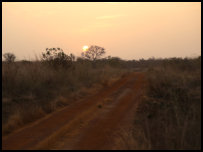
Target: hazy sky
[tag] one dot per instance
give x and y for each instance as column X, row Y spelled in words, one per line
column 129, row 30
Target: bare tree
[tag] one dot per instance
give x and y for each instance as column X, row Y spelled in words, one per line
column 93, row 52
column 9, row 57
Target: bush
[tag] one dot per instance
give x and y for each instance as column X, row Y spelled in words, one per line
column 32, row 89
column 56, row 57
column 170, row 114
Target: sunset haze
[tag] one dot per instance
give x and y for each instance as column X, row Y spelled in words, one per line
column 129, row 30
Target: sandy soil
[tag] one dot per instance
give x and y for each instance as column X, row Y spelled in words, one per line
column 91, row 123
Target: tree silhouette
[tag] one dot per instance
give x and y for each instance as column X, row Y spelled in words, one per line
column 56, row 56
column 9, row 57
column 94, row 52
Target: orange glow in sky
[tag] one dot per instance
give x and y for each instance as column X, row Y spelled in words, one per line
column 85, row 48
column 129, row 30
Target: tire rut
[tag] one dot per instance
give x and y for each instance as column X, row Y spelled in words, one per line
column 39, row 134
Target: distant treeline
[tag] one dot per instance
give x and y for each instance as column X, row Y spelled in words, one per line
column 184, row 63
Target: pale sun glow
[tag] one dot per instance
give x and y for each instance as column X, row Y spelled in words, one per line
column 85, row 48
column 126, row 30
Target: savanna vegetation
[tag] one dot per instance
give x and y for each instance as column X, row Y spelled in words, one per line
column 169, row 116
column 32, row 89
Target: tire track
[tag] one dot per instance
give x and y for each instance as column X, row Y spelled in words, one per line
column 43, row 132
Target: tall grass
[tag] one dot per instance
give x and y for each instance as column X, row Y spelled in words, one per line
column 31, row 90
column 169, row 117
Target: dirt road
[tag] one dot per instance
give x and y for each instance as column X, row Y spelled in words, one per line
column 87, row 124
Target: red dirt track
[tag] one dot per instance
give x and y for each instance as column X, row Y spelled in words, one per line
column 86, row 124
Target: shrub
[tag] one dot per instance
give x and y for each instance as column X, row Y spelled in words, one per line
column 56, row 57
column 170, row 114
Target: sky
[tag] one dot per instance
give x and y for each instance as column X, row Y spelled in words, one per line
column 129, row 30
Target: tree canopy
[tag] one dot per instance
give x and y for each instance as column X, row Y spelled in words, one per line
column 94, row 52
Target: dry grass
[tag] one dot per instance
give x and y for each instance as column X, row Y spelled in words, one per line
column 31, row 90
column 170, row 115
column 130, row 139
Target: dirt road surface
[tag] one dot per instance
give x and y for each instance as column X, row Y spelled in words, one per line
column 87, row 124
